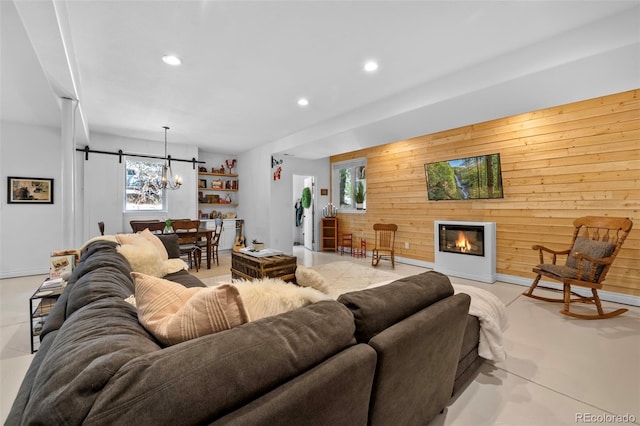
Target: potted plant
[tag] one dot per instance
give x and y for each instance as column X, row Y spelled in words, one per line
column 359, row 195
column 168, row 228
column 257, row 245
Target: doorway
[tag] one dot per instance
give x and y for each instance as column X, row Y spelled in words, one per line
column 304, row 230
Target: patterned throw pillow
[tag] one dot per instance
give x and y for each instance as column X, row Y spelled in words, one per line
column 174, row 313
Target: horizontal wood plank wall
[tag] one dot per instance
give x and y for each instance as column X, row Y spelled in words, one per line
column 557, row 164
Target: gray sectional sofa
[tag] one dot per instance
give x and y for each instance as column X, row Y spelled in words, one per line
column 386, row 355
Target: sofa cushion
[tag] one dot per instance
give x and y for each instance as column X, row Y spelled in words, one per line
column 375, row 309
column 171, row 245
column 201, row 380
column 92, row 344
column 185, row 278
column 174, row 313
column 101, row 274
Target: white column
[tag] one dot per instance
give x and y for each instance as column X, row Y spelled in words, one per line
column 67, row 185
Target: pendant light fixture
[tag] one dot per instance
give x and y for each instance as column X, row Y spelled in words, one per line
column 168, row 181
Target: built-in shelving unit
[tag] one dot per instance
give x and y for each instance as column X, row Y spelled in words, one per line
column 215, row 188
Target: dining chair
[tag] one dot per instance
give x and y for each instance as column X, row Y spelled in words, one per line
column 187, row 232
column 594, row 246
column 215, row 243
column 156, row 226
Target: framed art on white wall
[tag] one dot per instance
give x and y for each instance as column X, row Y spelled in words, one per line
column 24, row 190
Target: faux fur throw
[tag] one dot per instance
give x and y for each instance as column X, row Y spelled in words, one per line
column 270, row 296
column 307, row 277
column 144, row 252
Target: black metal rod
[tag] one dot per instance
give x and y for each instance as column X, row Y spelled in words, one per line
column 169, row 158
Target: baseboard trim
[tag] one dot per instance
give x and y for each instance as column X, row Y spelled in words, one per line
column 23, row 273
column 609, row 296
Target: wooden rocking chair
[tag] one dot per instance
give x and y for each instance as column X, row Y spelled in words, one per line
column 595, row 245
column 385, row 240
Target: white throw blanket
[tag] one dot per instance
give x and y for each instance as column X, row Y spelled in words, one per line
column 492, row 315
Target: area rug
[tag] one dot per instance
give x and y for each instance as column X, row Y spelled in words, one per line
column 343, row 276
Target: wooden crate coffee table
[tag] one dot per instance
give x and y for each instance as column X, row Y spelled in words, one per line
column 277, row 266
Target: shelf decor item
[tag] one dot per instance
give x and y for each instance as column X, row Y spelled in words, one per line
column 22, row 190
column 329, row 210
column 230, row 165
column 257, row 245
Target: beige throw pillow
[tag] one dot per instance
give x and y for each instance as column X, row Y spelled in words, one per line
column 174, row 313
column 157, row 243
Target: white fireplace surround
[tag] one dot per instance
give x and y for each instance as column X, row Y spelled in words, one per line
column 478, row 268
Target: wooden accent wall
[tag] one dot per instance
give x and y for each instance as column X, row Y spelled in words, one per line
column 557, row 164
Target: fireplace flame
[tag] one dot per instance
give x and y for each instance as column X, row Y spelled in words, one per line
column 462, row 243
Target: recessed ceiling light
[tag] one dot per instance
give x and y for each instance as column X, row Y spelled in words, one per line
column 370, row 66
column 171, row 60
column 303, row 102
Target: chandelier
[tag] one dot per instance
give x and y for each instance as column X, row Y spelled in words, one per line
column 168, row 181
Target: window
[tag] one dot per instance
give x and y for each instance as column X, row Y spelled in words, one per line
column 349, row 186
column 142, row 185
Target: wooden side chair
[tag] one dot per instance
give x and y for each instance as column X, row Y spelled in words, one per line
column 215, row 243
column 187, row 231
column 595, row 244
column 385, row 240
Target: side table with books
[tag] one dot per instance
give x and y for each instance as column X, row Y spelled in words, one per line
column 40, row 305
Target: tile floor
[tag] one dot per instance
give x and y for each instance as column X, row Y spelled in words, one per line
column 559, row 370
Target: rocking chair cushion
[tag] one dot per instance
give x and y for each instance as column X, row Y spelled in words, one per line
column 561, row 271
column 593, row 249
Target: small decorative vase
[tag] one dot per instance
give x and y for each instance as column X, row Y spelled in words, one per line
column 168, row 230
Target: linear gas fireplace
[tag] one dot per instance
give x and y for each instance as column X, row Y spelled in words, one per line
column 466, row 249
column 463, row 239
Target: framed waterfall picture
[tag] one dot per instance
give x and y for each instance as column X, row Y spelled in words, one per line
column 23, row 190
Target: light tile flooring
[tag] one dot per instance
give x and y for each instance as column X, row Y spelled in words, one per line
column 559, row 370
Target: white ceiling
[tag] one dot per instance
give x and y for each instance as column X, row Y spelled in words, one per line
column 245, row 63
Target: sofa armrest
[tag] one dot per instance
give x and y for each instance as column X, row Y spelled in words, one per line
column 417, row 362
